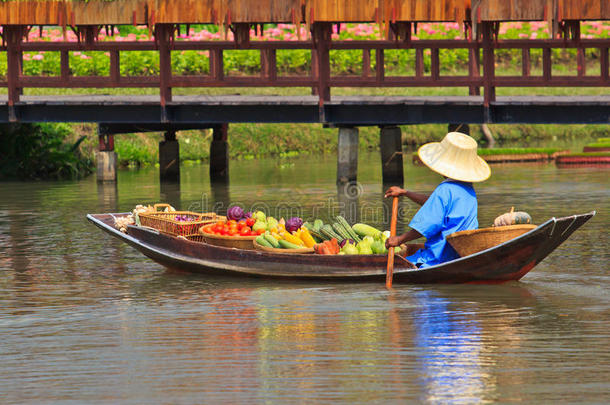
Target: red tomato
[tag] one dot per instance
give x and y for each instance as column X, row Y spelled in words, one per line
column 250, row 221
column 259, row 232
column 244, row 232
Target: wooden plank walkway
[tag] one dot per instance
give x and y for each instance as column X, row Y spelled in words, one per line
column 340, row 111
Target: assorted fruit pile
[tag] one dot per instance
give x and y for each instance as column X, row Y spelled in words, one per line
column 334, row 238
column 341, row 238
column 290, row 234
column 185, row 218
column 121, row 223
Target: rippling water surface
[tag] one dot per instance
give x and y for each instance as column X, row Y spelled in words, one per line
column 87, row 319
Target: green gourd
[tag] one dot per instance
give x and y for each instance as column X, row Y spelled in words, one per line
column 260, row 239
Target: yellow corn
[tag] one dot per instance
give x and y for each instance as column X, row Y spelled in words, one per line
column 307, row 238
column 292, row 239
column 276, row 235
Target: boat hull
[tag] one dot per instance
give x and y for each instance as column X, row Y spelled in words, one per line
column 506, row 262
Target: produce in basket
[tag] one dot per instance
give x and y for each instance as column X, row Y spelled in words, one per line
column 121, row 223
column 368, row 245
column 366, row 230
column 293, row 224
column 235, row 213
column 229, row 228
column 185, row 218
column 328, row 247
column 513, row 218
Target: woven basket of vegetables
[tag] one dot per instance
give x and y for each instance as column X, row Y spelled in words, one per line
column 304, row 250
column 470, row 242
column 176, row 223
column 237, row 242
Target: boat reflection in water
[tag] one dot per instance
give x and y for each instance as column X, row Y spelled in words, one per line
column 450, row 350
column 425, row 345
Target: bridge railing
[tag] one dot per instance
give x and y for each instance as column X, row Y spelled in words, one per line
column 481, row 70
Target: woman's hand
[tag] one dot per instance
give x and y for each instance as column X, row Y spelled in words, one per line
column 395, row 192
column 392, row 241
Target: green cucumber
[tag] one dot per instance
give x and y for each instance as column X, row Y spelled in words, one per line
column 284, row 244
column 318, row 235
column 338, row 228
column 260, row 239
column 328, row 231
column 317, row 224
column 271, row 240
column 365, row 230
column 353, row 235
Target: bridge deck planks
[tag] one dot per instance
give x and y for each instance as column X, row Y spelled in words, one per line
column 341, row 110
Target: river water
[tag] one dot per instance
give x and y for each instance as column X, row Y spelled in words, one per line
column 87, row 319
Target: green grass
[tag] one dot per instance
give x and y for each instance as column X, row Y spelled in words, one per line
column 514, row 151
column 603, row 140
column 598, row 145
column 517, row 151
column 253, row 141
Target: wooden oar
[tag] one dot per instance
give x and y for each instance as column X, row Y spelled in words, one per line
column 390, row 271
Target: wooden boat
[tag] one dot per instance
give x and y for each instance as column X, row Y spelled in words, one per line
column 508, row 261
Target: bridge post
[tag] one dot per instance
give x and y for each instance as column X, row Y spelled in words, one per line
column 13, row 35
column 347, row 155
column 169, row 158
column 390, row 144
column 164, row 34
column 219, row 154
column 106, row 159
column 489, row 95
column 321, row 36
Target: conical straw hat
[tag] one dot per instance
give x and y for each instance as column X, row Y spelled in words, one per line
column 455, row 157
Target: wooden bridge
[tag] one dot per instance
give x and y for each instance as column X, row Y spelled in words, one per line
column 397, row 20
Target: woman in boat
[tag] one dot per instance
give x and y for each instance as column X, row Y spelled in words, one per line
column 452, row 207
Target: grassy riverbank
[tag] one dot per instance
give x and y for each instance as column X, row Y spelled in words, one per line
column 250, row 141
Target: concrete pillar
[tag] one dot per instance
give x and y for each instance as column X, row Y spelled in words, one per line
column 106, row 159
column 347, row 155
column 390, row 144
column 463, row 128
column 107, row 196
column 170, row 193
column 169, row 158
column 219, row 154
column 348, row 197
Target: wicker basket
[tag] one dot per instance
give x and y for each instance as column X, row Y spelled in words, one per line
column 304, row 250
column 237, row 242
column 470, row 242
column 165, row 221
column 195, row 238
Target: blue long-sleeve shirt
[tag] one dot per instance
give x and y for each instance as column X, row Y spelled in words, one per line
column 452, row 207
